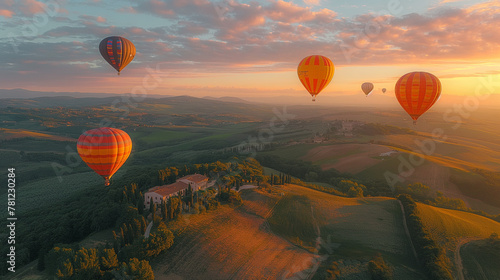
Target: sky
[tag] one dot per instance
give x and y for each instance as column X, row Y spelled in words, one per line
column 246, row 48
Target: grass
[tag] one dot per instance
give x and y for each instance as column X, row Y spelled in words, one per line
column 449, row 226
column 229, row 244
column 361, row 226
column 376, row 172
column 49, row 191
column 292, row 152
column 293, row 218
column 39, row 145
column 480, row 260
column 158, row 136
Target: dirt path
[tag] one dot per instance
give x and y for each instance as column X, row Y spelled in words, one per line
column 148, row 229
column 407, row 231
column 458, row 259
column 318, row 244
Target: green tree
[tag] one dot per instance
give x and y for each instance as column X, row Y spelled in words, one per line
column 163, row 210
column 151, row 203
column 136, row 269
column 86, row 264
column 108, row 259
column 140, row 204
column 379, row 269
column 66, row 271
column 355, row 192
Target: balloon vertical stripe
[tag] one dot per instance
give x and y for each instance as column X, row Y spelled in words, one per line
column 110, row 52
column 117, row 51
column 367, row 88
column 417, row 92
column 316, row 60
column 315, row 76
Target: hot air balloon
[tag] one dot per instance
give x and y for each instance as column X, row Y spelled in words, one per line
column 104, row 150
column 384, row 90
column 117, row 51
column 315, row 73
column 367, row 88
column 417, row 92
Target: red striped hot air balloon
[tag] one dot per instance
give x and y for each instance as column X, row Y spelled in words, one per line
column 104, row 150
column 315, row 73
column 367, row 88
column 417, row 92
column 117, row 51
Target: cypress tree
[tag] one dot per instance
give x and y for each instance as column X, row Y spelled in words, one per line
column 122, row 238
column 131, row 234
column 140, row 204
column 163, row 210
column 153, row 212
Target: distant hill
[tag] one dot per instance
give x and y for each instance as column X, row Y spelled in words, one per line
column 228, row 99
column 24, row 93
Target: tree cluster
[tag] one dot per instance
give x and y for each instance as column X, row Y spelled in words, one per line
column 432, row 257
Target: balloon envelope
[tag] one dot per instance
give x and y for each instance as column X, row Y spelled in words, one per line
column 104, row 150
column 384, row 90
column 417, row 92
column 315, row 73
column 117, row 51
column 367, row 88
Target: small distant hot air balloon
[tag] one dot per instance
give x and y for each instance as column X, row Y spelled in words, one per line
column 384, row 90
column 417, row 92
column 104, row 150
column 117, row 51
column 367, row 88
column 315, row 73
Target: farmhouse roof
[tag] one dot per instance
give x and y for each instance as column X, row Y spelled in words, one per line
column 170, row 189
column 197, row 178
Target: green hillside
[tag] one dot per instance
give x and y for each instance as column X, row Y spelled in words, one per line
column 452, row 228
column 481, row 258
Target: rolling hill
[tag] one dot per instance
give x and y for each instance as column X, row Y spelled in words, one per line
column 247, row 243
column 452, row 228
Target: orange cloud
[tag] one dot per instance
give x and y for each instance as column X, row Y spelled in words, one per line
column 6, row 13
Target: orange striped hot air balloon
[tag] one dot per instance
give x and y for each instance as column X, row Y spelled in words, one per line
column 417, row 92
column 367, row 88
column 315, row 73
column 117, row 51
column 104, row 150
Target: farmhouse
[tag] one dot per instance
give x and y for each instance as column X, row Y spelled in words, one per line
column 196, row 181
column 159, row 193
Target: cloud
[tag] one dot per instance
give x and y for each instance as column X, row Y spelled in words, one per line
column 312, row 2
column 6, row 13
column 273, row 36
column 93, row 19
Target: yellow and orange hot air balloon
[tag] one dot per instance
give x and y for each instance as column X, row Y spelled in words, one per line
column 117, row 51
column 315, row 73
column 104, row 150
column 417, row 92
column 367, row 88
